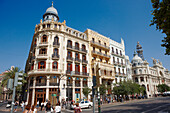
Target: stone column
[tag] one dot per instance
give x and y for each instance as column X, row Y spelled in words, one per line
column 81, row 85
column 33, row 91
column 28, row 89
column 47, row 89
column 73, row 96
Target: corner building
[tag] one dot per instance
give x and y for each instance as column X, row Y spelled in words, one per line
column 57, row 64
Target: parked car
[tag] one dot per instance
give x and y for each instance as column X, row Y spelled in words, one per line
column 8, row 104
column 85, row 104
column 166, row 93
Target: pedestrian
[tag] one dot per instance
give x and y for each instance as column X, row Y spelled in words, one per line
column 77, row 109
column 101, row 100
column 38, row 104
column 15, row 106
column 48, row 107
column 33, row 109
column 22, row 106
column 57, row 108
column 42, row 105
column 27, row 109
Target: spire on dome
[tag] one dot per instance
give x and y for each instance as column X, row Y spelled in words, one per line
column 52, row 4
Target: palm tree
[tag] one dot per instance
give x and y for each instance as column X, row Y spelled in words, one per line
column 10, row 74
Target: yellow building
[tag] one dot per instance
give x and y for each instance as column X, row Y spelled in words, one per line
column 99, row 53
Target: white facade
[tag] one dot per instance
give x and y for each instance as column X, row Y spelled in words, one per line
column 117, row 52
column 149, row 77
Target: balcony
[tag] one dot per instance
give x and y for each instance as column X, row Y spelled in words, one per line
column 84, row 61
column 84, row 85
column 56, row 44
column 101, row 54
column 100, row 45
column 77, row 60
column 77, row 84
column 43, row 44
column 69, row 58
column 35, row 45
column 45, row 71
column 84, row 50
column 77, row 73
column 42, row 56
column 69, row 46
column 53, row 84
column 55, row 57
column 40, row 84
column 33, row 57
column 116, row 54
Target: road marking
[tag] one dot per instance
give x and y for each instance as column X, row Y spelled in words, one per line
column 156, row 108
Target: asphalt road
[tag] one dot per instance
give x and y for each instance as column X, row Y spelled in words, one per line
column 154, row 105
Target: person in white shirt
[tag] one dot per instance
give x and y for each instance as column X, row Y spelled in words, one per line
column 42, row 105
column 22, row 106
column 57, row 108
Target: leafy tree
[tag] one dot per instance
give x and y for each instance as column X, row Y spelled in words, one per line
column 161, row 18
column 86, row 91
column 102, row 89
column 163, row 87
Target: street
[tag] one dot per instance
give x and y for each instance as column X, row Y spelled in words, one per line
column 154, row 105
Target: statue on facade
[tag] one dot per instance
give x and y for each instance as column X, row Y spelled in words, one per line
column 160, row 63
column 154, row 60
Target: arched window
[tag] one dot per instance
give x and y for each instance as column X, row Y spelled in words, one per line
column 44, row 39
column 134, row 72
column 118, row 60
column 41, row 65
column 120, row 52
column 140, row 71
column 56, row 39
column 55, row 65
column 116, row 51
column 55, row 52
column 112, row 50
column 77, row 45
column 43, row 51
column 113, row 59
column 32, row 66
column 83, row 47
column 69, row 43
column 104, row 72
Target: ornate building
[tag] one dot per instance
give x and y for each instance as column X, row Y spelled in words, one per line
column 57, row 61
column 149, row 77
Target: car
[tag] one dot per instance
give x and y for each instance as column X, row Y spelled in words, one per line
column 8, row 104
column 85, row 104
column 1, row 101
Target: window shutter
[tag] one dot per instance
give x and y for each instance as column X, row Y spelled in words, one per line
column 57, row 65
column 53, row 65
column 79, row 68
column 86, row 69
column 38, row 65
column 71, row 67
column 67, row 66
column 44, row 64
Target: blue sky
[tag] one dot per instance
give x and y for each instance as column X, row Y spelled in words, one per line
column 128, row 19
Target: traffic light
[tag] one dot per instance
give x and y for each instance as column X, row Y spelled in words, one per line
column 94, row 81
column 10, row 84
column 18, row 78
column 97, row 75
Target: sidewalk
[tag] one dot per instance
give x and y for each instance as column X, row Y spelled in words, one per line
column 126, row 102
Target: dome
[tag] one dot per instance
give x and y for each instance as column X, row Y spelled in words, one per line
column 136, row 58
column 51, row 10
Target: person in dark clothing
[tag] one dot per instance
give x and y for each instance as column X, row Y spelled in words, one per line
column 48, row 107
